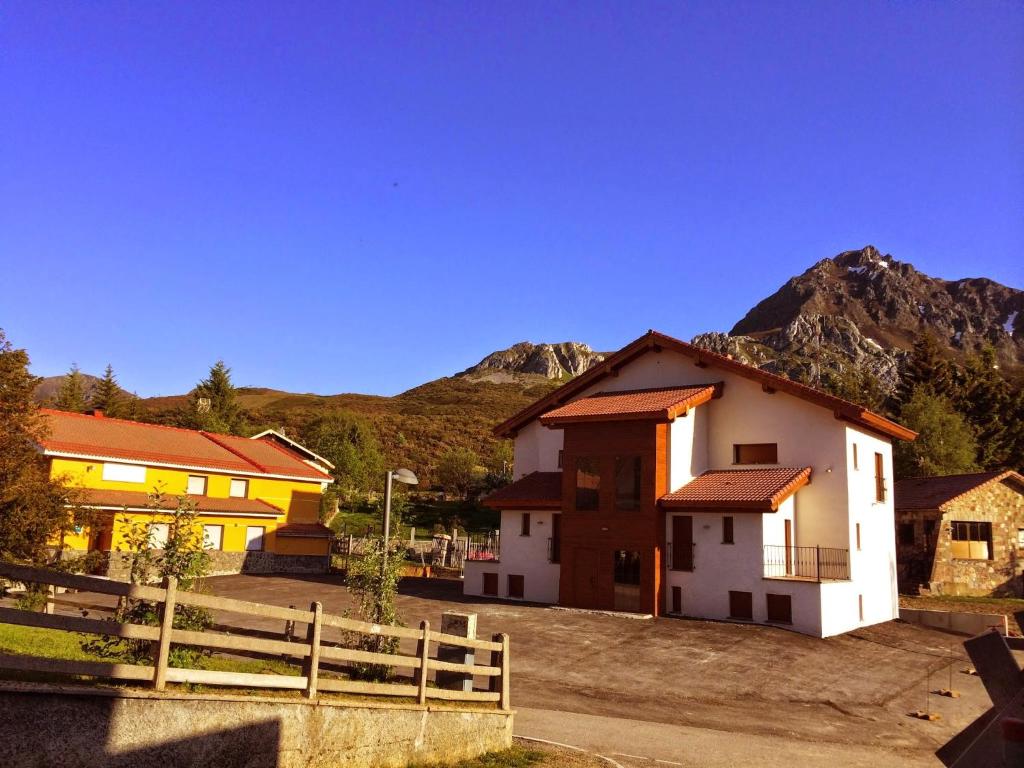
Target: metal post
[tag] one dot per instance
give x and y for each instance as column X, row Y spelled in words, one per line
column 817, row 551
column 387, row 525
column 423, row 651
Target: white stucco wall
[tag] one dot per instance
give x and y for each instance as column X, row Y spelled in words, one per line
column 536, row 450
column 687, row 447
column 525, row 556
column 873, row 567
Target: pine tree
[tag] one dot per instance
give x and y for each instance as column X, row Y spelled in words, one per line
column 213, row 404
column 986, row 402
column 71, row 395
column 926, row 365
column 945, row 445
column 106, row 395
column 33, row 508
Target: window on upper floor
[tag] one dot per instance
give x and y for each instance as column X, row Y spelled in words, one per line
column 856, row 463
column 588, row 482
column 124, row 473
column 755, row 453
column 627, row 482
column 196, row 485
column 857, row 529
column 971, row 540
column 880, row 486
column 560, row 454
column 906, row 531
column 239, row 489
column 727, row 533
column 159, row 534
column 524, row 525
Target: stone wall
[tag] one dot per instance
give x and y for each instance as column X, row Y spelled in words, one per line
column 223, row 563
column 80, row 727
column 930, row 561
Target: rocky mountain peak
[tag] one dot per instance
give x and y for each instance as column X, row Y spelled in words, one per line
column 552, row 361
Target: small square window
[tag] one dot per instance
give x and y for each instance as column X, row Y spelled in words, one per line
column 741, row 605
column 239, row 489
column 516, row 586
column 196, row 485
column 491, row 584
column 254, row 538
column 213, row 537
column 159, row 534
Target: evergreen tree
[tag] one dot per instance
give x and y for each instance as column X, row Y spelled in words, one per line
column 132, row 411
column 32, row 506
column 926, row 365
column 987, row 400
column 946, row 444
column 212, row 404
column 106, row 395
column 71, row 395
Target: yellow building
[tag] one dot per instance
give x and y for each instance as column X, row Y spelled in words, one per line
column 258, row 499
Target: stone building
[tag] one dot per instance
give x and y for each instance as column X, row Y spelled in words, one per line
column 961, row 534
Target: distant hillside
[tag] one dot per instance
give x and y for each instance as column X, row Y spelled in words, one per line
column 47, row 389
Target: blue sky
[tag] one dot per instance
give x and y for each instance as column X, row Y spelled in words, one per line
column 362, row 197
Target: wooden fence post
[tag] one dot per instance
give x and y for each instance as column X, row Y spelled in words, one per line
column 163, row 649
column 51, row 594
column 312, row 664
column 423, row 651
column 502, row 685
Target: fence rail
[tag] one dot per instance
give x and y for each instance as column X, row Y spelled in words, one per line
column 806, row 563
column 310, row 653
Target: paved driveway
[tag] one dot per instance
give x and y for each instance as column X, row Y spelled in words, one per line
column 696, row 692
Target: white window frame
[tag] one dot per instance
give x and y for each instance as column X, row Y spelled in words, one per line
column 188, row 485
column 245, row 486
column 209, row 542
column 124, row 473
column 258, row 541
column 156, row 540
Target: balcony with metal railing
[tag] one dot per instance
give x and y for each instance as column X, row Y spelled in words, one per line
column 806, row 563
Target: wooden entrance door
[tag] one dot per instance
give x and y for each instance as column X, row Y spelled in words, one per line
column 682, row 543
column 585, row 577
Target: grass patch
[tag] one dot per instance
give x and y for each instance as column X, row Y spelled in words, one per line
column 516, row 757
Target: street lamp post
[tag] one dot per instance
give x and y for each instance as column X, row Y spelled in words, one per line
column 402, row 476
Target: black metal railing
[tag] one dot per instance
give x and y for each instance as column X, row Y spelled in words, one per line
column 808, row 563
column 681, row 557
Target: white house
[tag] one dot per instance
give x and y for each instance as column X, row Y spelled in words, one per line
column 672, row 480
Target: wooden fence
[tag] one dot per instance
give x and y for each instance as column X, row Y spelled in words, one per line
column 311, row 652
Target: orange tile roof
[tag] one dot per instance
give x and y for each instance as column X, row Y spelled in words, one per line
column 654, row 341
column 756, row 489
column 102, row 497
column 662, row 404
column 78, row 434
column 935, row 492
column 538, row 490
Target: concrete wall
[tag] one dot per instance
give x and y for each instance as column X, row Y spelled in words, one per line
column 526, row 556
column 224, row 563
column 79, row 727
column 956, row 621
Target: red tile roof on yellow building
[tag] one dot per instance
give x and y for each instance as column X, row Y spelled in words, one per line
column 663, row 404
column 754, row 489
column 305, row 531
column 652, row 341
column 538, row 490
column 102, row 498
column 935, row 492
column 87, row 436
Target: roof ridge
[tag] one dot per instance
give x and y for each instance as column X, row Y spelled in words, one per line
column 100, row 419
column 287, row 452
column 209, row 436
column 647, row 390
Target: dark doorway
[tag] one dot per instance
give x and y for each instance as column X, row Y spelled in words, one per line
column 585, row 578
column 682, row 543
column 677, row 599
column 627, row 581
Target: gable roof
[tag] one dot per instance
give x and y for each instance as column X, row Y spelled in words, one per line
column 537, row 490
column 936, row 492
column 662, row 404
column 755, row 489
column 273, row 434
column 100, row 437
column 654, row 341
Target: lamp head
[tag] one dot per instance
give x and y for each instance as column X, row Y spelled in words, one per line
column 405, row 476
